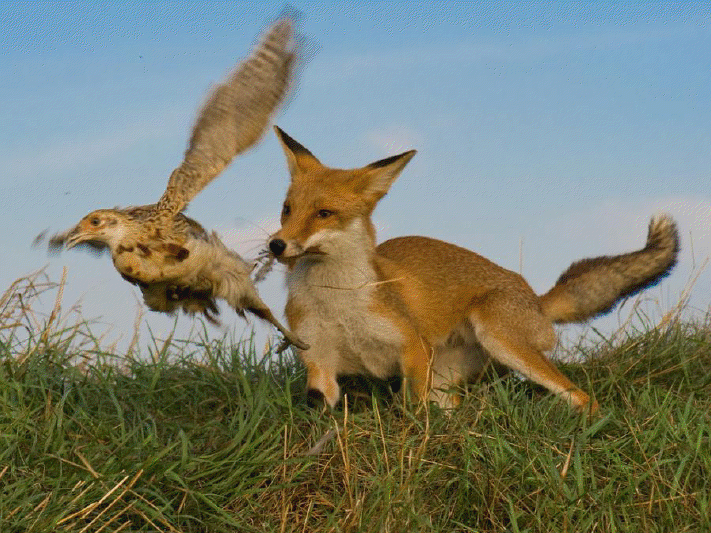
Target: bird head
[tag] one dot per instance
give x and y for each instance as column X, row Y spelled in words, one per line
column 98, row 229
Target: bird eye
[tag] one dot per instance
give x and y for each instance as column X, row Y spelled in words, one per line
column 286, row 210
column 94, row 221
column 324, row 213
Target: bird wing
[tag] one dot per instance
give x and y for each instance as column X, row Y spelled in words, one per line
column 235, row 116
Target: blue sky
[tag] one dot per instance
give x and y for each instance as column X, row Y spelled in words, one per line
column 546, row 132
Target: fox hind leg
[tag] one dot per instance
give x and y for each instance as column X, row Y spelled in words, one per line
column 518, row 339
column 534, row 364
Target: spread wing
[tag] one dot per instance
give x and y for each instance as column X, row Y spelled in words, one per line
column 235, row 116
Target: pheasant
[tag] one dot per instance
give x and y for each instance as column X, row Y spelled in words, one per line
column 175, row 262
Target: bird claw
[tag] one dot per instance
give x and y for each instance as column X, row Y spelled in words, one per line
column 283, row 345
column 286, row 342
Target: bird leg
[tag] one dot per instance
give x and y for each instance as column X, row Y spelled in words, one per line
column 289, row 338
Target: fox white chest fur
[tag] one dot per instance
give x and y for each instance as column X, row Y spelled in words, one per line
column 333, row 296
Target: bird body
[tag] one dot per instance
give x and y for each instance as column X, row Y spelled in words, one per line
column 143, row 251
column 175, row 262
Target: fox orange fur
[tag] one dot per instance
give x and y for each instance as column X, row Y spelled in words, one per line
column 429, row 311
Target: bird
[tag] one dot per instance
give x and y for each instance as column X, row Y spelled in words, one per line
column 175, row 262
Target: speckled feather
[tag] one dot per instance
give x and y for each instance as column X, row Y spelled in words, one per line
column 175, row 262
column 234, row 118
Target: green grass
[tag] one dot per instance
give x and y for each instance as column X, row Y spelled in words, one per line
column 203, row 436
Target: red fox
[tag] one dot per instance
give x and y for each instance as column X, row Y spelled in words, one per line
column 431, row 312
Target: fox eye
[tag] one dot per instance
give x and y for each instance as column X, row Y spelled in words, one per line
column 94, row 221
column 286, row 210
column 324, row 213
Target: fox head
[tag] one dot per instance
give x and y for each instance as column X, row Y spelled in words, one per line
column 327, row 211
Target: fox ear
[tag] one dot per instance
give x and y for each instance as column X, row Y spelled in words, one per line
column 380, row 175
column 297, row 157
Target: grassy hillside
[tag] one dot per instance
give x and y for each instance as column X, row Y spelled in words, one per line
column 204, row 436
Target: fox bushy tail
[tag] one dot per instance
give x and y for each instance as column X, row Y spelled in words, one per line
column 592, row 287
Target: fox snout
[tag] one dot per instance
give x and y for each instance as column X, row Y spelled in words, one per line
column 285, row 251
column 290, row 250
column 277, row 246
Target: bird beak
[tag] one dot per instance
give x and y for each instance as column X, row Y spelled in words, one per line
column 71, row 238
column 68, row 239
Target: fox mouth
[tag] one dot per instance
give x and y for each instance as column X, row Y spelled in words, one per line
column 291, row 258
column 288, row 251
column 311, row 251
column 314, row 250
